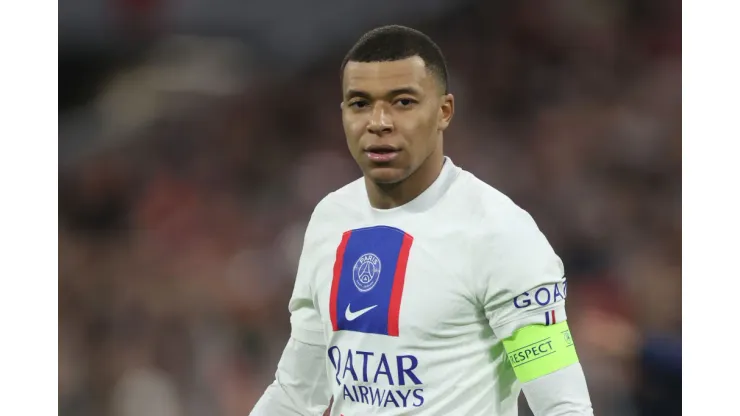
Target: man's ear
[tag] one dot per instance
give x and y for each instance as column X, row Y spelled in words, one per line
column 446, row 112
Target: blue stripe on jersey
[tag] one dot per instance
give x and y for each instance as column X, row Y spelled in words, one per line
column 366, row 279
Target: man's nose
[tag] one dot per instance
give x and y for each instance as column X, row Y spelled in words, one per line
column 381, row 122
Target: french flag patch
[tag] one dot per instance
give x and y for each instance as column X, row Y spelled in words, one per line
column 550, row 317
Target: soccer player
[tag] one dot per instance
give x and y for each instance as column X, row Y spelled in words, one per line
column 420, row 290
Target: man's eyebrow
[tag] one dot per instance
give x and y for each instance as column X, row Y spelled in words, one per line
column 357, row 93
column 404, row 90
column 353, row 93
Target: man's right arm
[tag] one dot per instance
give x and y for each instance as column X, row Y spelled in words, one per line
column 301, row 385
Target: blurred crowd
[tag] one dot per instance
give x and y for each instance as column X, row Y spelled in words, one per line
column 178, row 245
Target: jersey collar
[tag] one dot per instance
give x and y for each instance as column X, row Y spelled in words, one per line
column 431, row 195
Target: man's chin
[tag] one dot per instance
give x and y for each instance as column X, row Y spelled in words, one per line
column 385, row 175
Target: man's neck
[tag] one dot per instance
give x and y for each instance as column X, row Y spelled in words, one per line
column 387, row 196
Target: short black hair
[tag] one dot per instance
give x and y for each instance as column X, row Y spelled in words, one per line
column 394, row 43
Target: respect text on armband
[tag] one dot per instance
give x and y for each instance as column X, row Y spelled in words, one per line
column 542, row 296
column 377, row 379
column 531, row 352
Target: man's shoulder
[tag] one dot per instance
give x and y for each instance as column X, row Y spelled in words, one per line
column 497, row 224
column 506, row 236
column 342, row 202
column 491, row 209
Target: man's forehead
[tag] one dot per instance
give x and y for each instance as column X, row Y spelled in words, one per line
column 386, row 74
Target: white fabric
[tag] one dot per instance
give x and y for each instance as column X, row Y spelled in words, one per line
column 478, row 269
column 562, row 393
column 300, row 387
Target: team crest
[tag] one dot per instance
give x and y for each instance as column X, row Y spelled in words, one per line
column 366, row 272
column 360, row 284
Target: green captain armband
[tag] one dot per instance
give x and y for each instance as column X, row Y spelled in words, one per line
column 538, row 350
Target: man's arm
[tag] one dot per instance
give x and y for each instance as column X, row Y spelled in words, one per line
column 544, row 359
column 561, row 393
column 301, row 385
column 524, row 301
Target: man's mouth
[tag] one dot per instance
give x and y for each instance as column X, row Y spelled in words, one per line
column 381, row 153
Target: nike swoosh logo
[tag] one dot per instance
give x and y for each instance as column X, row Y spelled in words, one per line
column 351, row 316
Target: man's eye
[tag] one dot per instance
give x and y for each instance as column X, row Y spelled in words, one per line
column 405, row 102
column 358, row 104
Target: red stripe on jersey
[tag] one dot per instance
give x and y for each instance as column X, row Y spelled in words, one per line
column 552, row 313
column 335, row 280
column 394, row 308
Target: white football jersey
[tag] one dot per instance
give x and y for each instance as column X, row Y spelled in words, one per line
column 413, row 303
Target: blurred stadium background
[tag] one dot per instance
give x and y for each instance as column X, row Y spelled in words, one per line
column 196, row 136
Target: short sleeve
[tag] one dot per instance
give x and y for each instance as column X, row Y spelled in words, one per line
column 524, row 280
column 305, row 320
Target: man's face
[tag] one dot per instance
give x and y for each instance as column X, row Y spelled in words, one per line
column 392, row 114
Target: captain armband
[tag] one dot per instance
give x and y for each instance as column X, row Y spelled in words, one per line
column 538, row 350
